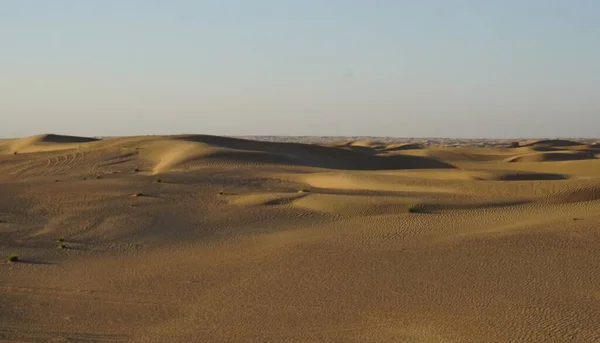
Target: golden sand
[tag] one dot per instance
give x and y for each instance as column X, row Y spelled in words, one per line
column 214, row 239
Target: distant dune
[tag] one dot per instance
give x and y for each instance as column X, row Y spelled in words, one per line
column 551, row 143
column 41, row 143
column 403, row 146
column 200, row 238
column 552, row 156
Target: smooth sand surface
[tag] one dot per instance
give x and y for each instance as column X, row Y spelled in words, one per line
column 195, row 238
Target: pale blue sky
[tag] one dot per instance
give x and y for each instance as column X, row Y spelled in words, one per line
column 512, row 68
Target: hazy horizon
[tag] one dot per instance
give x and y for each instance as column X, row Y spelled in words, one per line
column 499, row 69
column 323, row 138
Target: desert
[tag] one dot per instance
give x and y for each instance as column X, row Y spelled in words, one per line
column 205, row 238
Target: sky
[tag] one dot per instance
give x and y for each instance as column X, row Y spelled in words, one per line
column 461, row 68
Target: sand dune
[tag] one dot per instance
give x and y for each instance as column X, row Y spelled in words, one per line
column 369, row 144
column 198, row 238
column 371, row 181
column 263, row 199
column 552, row 156
column 550, row 143
column 403, row 146
column 462, row 154
column 181, row 150
column 169, row 155
column 41, row 143
column 480, row 175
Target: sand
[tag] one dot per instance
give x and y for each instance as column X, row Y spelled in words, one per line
column 213, row 239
